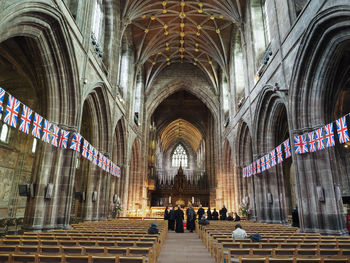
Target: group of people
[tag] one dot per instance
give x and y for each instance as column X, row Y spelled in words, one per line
column 176, row 217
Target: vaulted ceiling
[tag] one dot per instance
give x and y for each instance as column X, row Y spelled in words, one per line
column 178, row 130
column 193, row 31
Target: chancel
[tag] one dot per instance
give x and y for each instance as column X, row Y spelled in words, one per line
column 120, row 116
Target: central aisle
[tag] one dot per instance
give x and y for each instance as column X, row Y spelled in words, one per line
column 185, row 248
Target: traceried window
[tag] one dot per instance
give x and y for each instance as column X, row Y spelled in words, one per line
column 97, row 20
column 179, row 157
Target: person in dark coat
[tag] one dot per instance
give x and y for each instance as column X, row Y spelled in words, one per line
column 295, row 217
column 209, row 217
column 191, row 218
column 223, row 212
column 171, row 220
column 229, row 217
column 179, row 217
column 200, row 212
column 237, row 217
column 153, row 229
column 166, row 214
column 215, row 214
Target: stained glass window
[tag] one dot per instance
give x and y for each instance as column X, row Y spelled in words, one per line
column 179, row 157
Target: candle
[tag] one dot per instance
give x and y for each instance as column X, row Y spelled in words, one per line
column 169, row 199
column 192, row 200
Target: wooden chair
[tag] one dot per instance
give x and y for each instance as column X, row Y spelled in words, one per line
column 307, row 260
column 104, row 259
column 27, row 249
column 49, row 250
column 282, row 260
column 73, row 250
column 329, row 252
column 49, row 242
column 117, row 251
column 94, row 250
column 335, row 260
column 270, row 245
column 76, row 259
column 284, row 252
column 262, row 252
column 4, row 258
column 23, row 258
column 126, row 259
column 307, row 252
column 49, row 258
column 252, row 260
column 7, row 249
column 328, row 245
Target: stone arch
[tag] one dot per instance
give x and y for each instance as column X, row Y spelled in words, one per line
column 42, row 30
column 118, row 185
column 319, row 76
column 95, row 127
column 136, row 181
column 230, row 179
column 271, row 121
column 244, row 149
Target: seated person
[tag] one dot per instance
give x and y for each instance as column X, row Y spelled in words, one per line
column 237, row 218
column 239, row 232
column 229, row 217
column 153, row 229
column 203, row 221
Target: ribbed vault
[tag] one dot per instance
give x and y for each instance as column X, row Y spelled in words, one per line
column 197, row 32
column 178, row 130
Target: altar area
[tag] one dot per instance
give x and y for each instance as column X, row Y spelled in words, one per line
column 158, row 211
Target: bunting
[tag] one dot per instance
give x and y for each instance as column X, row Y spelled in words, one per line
column 12, row 110
column 342, row 130
column 26, row 118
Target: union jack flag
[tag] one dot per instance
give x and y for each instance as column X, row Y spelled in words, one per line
column 244, row 172
column 258, row 170
column 330, row 142
column 38, row 120
column 273, row 157
column 279, row 154
column 100, row 160
column 312, row 141
column 46, row 131
column 63, row 139
column 54, row 135
column 254, row 168
column 108, row 165
column 287, row 150
column 12, row 111
column 342, row 130
column 267, row 159
column 263, row 164
column 319, row 139
column 96, row 153
column 85, row 148
column 2, row 96
column 91, row 152
column 104, row 163
column 117, row 168
column 76, row 141
column 300, row 144
column 113, row 169
column 26, row 118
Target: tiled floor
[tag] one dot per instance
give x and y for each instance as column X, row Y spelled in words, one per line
column 185, row 248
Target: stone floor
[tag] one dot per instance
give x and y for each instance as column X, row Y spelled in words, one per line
column 185, row 248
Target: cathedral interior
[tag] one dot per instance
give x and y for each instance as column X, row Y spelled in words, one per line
column 186, row 97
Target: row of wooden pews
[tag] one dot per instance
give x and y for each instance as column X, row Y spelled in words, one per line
column 114, row 241
column 279, row 244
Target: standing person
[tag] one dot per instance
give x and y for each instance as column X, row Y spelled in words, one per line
column 215, row 214
column 166, row 213
column 209, row 217
column 223, row 212
column 295, row 217
column 179, row 217
column 200, row 212
column 171, row 220
column 187, row 217
column 191, row 218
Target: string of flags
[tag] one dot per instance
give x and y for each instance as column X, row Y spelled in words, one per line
column 310, row 142
column 50, row 133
